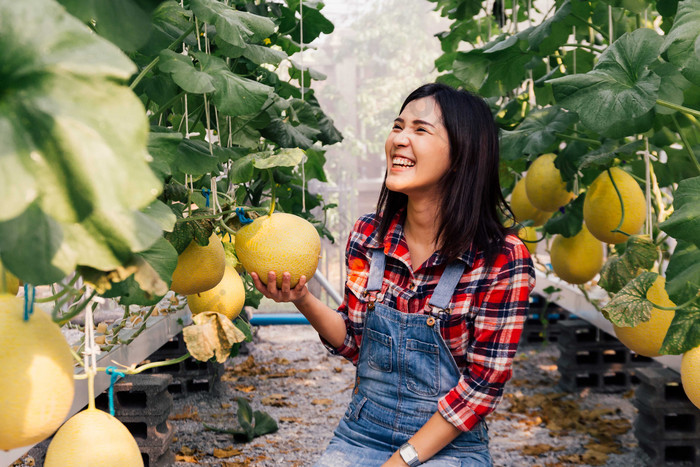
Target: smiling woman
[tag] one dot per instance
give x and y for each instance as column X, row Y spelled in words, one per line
column 436, row 296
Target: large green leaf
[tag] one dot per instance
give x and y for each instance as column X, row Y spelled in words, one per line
column 684, row 332
column 684, row 223
column 471, row 68
column 567, row 223
column 552, row 33
column 621, row 86
column 258, row 54
column 536, row 133
column 640, row 254
column 282, row 158
column 235, row 27
column 184, row 73
column 682, row 43
column 683, row 273
column 162, row 258
column 75, row 139
column 630, row 306
column 672, row 86
column 233, row 95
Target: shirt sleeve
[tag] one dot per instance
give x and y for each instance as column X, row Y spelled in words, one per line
column 357, row 267
column 497, row 328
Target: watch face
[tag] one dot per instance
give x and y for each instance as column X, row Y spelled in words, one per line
column 409, row 455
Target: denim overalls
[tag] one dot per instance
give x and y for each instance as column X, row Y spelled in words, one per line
column 404, row 368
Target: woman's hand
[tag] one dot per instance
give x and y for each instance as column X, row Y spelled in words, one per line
column 284, row 294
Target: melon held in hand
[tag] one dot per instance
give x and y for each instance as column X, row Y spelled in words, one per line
column 36, row 375
column 93, row 438
column 281, row 242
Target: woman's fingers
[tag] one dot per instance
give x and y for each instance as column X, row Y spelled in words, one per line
column 285, row 293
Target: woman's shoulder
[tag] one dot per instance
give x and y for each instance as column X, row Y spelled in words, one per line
column 366, row 224
column 513, row 249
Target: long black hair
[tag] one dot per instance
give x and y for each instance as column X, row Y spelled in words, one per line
column 470, row 196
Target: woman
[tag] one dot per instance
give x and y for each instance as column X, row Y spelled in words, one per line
column 436, row 295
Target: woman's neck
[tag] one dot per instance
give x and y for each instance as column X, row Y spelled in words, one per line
column 420, row 230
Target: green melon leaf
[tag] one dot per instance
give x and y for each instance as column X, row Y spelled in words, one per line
column 630, row 306
column 684, row 223
column 235, row 27
column 184, row 73
column 76, row 137
column 684, row 332
column 290, row 157
column 621, row 86
column 682, row 43
column 536, row 133
column 683, row 272
column 640, row 254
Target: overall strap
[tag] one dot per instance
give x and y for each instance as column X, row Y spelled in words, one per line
column 377, row 264
column 446, row 285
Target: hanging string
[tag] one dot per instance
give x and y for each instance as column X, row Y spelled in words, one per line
column 90, row 355
column 301, row 41
column 205, row 192
column 647, row 191
column 29, row 302
column 574, row 32
column 610, row 25
column 301, row 55
column 113, row 375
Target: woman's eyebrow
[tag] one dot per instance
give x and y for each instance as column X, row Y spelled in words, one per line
column 415, row 122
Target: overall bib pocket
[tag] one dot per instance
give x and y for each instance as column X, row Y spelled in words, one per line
column 378, row 350
column 423, row 362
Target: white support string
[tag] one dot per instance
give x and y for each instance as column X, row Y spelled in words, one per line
column 91, row 350
column 301, row 57
column 649, row 223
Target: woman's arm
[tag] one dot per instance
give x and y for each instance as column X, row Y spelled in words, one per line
column 429, row 440
column 326, row 321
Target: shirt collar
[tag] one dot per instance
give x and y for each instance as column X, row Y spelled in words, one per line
column 394, row 244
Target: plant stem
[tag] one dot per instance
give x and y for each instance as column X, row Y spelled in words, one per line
column 686, row 144
column 272, row 192
column 578, row 138
column 72, row 314
column 583, row 46
column 622, row 206
column 679, row 108
column 154, row 62
column 592, row 26
column 215, row 216
column 674, row 308
column 67, row 288
column 167, row 105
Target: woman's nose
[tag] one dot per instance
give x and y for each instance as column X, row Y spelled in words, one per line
column 400, row 138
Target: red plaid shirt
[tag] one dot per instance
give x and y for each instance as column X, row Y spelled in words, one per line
column 482, row 331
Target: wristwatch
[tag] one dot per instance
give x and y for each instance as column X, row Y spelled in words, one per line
column 409, row 455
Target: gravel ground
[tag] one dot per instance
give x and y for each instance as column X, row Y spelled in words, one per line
column 289, row 374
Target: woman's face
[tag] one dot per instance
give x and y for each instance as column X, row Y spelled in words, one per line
column 417, row 150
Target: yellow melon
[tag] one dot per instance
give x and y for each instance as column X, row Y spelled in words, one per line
column 602, row 210
column 690, row 375
column 646, row 338
column 93, row 438
column 576, row 259
column 522, row 207
column 36, row 375
column 281, row 243
column 544, row 186
column 529, row 237
column 227, row 297
column 8, row 282
column 199, row 268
